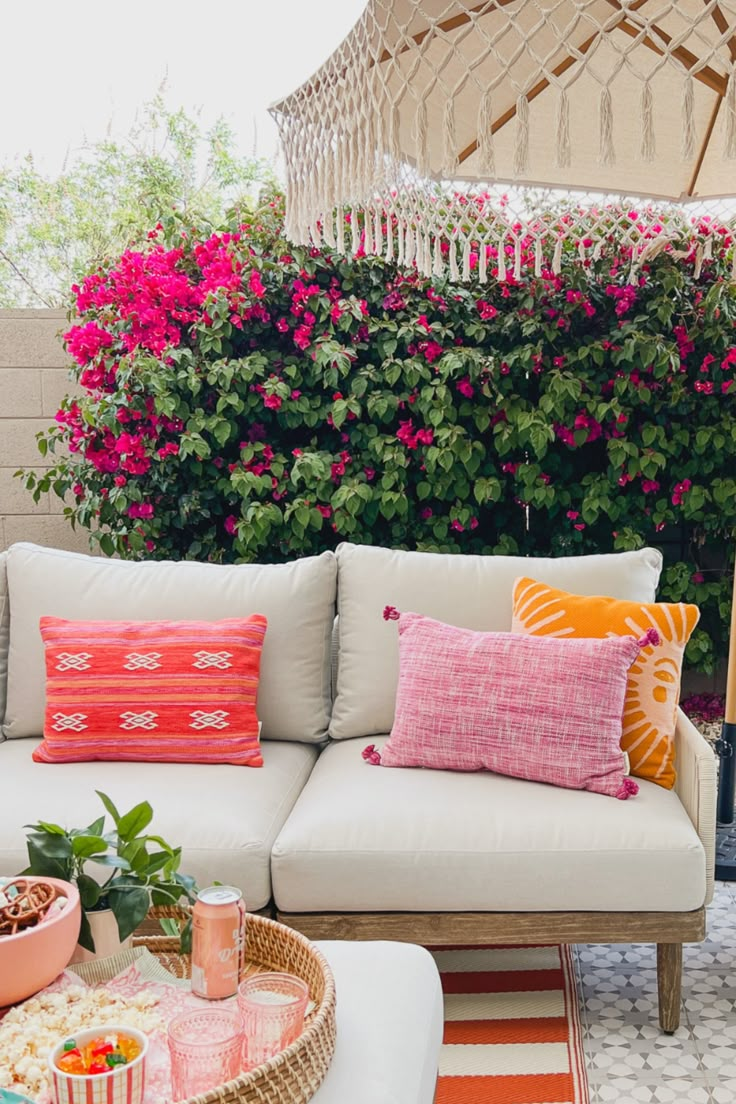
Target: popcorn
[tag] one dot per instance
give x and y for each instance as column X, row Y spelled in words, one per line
column 29, row 1032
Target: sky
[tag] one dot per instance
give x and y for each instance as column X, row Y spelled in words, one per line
column 72, row 69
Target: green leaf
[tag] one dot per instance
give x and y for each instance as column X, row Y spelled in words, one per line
column 85, row 934
column 130, row 905
column 85, row 846
column 132, row 823
column 108, row 803
column 90, row 891
column 45, row 861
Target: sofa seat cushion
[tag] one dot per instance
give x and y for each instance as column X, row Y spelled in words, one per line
column 389, row 1024
column 406, row 839
column 225, row 818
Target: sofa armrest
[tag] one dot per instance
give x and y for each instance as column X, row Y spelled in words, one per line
column 696, row 788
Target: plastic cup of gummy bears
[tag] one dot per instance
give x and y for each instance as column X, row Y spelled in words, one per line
column 98, row 1065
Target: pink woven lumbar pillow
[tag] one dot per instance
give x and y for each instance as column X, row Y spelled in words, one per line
column 162, row 691
column 541, row 708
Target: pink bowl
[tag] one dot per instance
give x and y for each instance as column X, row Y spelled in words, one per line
column 34, row 957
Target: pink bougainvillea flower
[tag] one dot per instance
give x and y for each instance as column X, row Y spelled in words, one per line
column 273, row 402
column 231, row 523
column 426, row 513
column 326, row 511
column 255, row 283
column 465, row 387
column 679, row 492
column 486, row 310
column 140, row 510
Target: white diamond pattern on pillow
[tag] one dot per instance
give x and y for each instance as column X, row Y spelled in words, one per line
column 472, row 592
column 298, row 598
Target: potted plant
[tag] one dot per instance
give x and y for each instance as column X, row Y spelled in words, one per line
column 142, row 870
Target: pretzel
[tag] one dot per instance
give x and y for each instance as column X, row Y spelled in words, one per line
column 28, row 907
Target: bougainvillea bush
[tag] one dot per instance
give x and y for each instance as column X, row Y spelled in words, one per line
column 249, row 400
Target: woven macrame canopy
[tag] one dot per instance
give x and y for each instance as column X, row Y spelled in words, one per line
column 434, row 112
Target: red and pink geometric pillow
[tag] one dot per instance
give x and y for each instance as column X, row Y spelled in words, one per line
column 164, row 691
column 540, row 708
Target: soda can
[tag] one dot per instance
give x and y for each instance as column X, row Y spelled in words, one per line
column 218, row 942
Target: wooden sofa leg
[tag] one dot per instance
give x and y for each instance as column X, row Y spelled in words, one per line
column 669, row 985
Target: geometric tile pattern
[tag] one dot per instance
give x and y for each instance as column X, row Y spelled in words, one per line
column 629, row 1061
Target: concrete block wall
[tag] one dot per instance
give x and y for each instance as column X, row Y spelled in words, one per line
column 34, row 377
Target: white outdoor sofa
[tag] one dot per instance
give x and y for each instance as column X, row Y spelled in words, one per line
column 336, row 848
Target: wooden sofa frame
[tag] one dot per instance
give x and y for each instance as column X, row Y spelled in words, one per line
column 669, row 930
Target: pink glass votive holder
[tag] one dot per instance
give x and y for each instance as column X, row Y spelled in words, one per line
column 205, row 1046
column 273, row 1008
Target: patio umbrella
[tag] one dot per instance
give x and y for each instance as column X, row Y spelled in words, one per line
column 627, row 97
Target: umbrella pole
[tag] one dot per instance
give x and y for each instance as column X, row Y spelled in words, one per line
column 726, row 748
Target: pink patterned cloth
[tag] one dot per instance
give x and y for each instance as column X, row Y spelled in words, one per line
column 541, row 708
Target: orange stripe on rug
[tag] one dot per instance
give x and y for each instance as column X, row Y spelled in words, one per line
column 512, row 1034
column 548, row 1029
column 549, row 1088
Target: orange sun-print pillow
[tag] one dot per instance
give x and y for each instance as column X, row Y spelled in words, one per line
column 653, row 687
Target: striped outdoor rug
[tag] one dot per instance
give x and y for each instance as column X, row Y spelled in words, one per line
column 512, row 1033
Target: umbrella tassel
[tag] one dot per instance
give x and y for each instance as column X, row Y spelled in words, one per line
column 733, row 266
column 698, row 268
column 377, row 233
column 328, row 228
column 409, row 247
column 426, row 255
column 517, row 260
column 730, row 104
column 341, row 229
column 354, row 231
column 400, row 250
column 420, row 139
column 502, row 260
column 368, row 231
column 483, row 263
column 454, row 270
column 450, row 139
column 466, row 261
column 607, row 154
column 538, row 257
column 688, row 119
column 648, row 144
column 389, row 239
column 557, row 257
column 485, row 135
column 708, row 249
column 564, row 152
column 521, row 153
column 438, row 264
column 581, row 251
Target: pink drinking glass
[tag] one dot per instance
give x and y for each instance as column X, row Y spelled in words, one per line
column 206, row 1047
column 273, row 1008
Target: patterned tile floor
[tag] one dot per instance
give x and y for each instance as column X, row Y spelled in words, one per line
column 628, row 1059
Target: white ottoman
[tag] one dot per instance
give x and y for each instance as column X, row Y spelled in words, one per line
column 389, row 1024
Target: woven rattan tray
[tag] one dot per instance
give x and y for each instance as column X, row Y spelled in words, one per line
column 294, row 1075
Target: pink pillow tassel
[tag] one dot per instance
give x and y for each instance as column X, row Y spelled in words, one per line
column 628, row 789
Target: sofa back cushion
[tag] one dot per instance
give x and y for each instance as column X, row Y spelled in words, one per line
column 472, row 592
column 298, row 599
column 4, row 634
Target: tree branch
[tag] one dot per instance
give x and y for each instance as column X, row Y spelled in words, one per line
column 24, row 278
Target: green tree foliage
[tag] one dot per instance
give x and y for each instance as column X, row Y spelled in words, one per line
column 251, row 400
column 53, row 230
